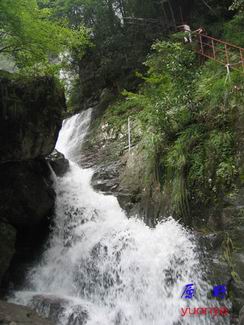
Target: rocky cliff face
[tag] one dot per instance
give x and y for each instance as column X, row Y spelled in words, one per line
column 30, row 119
column 127, row 175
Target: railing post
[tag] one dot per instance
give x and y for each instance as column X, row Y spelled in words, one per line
column 242, row 59
column 214, row 53
column 200, row 36
column 129, row 135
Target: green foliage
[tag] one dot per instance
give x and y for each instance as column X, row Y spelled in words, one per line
column 234, row 29
column 122, row 33
column 187, row 114
column 166, row 91
column 117, row 114
column 163, row 112
column 32, row 39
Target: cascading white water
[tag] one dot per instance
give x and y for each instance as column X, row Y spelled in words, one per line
column 118, row 270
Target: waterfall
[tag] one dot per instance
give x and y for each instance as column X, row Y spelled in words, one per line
column 101, row 268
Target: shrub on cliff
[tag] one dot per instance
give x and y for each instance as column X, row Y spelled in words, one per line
column 188, row 114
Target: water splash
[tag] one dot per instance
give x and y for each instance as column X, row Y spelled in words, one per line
column 101, row 268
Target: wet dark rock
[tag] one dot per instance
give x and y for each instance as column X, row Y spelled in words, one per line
column 241, row 316
column 211, row 247
column 30, row 117
column 26, row 194
column 212, row 241
column 57, row 308
column 58, row 162
column 7, row 246
column 238, row 295
column 235, row 229
column 11, row 314
column 106, row 178
column 26, row 205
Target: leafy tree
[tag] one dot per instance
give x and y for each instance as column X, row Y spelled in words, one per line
column 31, row 38
column 122, row 32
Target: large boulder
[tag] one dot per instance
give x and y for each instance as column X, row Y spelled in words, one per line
column 30, row 117
column 31, row 113
column 58, row 162
column 26, row 194
column 11, row 314
column 60, row 310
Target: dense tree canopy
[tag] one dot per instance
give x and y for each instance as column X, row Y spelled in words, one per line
column 122, row 31
column 31, row 38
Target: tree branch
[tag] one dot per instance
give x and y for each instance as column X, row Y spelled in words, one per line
column 3, row 49
column 10, row 49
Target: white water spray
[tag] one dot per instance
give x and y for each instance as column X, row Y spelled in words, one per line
column 110, row 270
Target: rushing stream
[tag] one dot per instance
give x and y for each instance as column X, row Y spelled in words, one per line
column 101, row 268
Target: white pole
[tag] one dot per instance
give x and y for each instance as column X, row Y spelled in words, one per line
column 228, row 73
column 129, row 132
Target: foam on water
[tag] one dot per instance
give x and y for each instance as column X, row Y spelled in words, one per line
column 120, row 271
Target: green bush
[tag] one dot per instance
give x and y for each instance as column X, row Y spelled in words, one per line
column 187, row 114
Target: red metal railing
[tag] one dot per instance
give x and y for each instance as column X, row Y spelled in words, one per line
column 229, row 55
